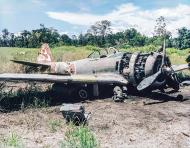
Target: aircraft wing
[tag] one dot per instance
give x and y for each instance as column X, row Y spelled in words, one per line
column 31, row 64
column 86, row 79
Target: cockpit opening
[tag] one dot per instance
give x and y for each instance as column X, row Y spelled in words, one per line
column 103, row 53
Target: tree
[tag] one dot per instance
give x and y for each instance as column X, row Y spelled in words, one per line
column 134, row 38
column 25, row 36
column 183, row 38
column 12, row 40
column 160, row 28
column 90, row 39
column 99, row 34
column 66, row 40
column 5, row 37
column 104, row 28
column 74, row 40
column 100, row 29
column 53, row 36
column 81, row 40
column 1, row 43
column 161, row 33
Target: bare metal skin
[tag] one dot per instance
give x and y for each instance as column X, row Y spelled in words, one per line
column 142, row 71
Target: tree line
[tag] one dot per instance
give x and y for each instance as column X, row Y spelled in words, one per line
column 100, row 34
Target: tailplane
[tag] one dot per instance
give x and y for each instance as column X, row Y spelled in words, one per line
column 44, row 55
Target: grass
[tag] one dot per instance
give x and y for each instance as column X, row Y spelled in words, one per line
column 148, row 48
column 54, row 125
column 69, row 53
column 178, row 56
column 63, row 53
column 13, row 141
column 79, row 137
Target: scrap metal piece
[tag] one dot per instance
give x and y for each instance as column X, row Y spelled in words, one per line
column 120, row 93
column 74, row 113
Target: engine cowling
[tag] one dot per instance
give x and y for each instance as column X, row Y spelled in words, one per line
column 137, row 66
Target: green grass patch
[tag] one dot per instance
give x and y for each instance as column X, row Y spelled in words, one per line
column 70, row 53
column 63, row 53
column 79, row 137
column 143, row 49
column 13, row 141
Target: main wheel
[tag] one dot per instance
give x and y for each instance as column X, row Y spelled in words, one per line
column 83, row 93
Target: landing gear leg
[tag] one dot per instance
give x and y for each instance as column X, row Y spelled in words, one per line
column 120, row 93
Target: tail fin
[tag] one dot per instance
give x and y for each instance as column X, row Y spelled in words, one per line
column 44, row 55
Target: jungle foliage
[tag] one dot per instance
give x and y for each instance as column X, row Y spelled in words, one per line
column 100, row 34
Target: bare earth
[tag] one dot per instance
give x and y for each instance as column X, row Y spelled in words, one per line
column 138, row 122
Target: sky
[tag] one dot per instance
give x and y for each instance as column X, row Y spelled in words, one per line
column 76, row 16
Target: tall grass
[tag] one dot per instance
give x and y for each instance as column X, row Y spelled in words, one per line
column 79, row 137
column 143, row 49
column 63, row 53
column 69, row 53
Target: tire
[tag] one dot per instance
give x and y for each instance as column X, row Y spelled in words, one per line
column 83, row 93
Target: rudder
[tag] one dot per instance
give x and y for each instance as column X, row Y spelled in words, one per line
column 44, row 55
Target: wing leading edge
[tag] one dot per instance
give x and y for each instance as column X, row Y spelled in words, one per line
column 87, row 79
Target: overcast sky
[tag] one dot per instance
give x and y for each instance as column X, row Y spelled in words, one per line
column 75, row 16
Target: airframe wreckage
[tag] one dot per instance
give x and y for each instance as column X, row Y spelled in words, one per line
column 120, row 70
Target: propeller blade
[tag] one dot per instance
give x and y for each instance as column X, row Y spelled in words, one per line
column 145, row 83
column 164, row 53
column 185, row 83
column 148, row 81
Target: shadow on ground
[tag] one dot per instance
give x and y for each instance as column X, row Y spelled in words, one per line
column 36, row 96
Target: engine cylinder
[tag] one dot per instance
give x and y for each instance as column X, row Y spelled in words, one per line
column 136, row 66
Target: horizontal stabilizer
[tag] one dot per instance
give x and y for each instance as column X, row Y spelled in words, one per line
column 31, row 64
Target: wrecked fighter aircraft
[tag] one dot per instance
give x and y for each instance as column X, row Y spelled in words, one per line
column 119, row 70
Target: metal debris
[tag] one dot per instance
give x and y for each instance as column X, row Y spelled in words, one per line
column 74, row 113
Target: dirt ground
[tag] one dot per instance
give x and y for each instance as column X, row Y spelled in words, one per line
column 138, row 122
